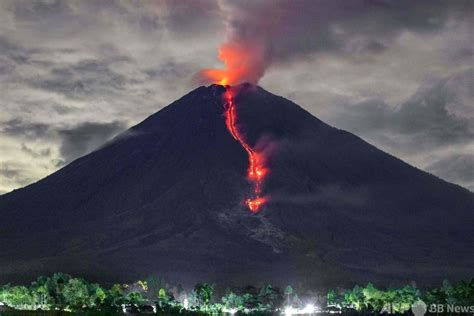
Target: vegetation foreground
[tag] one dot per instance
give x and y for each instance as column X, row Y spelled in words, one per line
column 63, row 293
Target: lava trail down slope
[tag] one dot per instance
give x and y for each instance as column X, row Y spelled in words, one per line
column 257, row 170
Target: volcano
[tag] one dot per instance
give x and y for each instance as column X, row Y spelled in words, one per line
column 167, row 198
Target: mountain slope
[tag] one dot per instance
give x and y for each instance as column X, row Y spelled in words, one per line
column 166, row 198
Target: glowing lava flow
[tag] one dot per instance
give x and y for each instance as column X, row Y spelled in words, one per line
column 256, row 171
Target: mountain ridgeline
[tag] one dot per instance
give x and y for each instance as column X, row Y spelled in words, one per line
column 166, row 198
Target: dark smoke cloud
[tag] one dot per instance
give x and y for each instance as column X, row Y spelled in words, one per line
column 280, row 31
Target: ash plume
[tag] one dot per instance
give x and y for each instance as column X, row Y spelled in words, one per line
column 260, row 34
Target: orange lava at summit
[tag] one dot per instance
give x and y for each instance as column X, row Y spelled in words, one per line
column 243, row 63
column 256, row 171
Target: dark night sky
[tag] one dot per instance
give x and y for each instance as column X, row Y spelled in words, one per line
column 75, row 73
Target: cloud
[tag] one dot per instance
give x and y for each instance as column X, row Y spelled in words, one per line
column 85, row 78
column 66, row 64
column 439, row 113
column 9, row 173
column 457, row 168
column 14, row 173
column 425, row 129
column 33, row 150
column 189, row 17
column 73, row 74
column 45, row 152
column 18, row 128
column 83, row 138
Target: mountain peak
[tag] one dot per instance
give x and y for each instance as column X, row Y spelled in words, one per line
column 171, row 191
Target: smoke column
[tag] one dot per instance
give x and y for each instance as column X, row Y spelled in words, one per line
column 244, row 54
column 245, row 57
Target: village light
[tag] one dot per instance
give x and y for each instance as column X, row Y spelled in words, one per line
column 289, row 310
column 231, row 311
column 308, row 309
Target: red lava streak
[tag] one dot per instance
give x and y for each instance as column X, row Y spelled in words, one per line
column 256, row 171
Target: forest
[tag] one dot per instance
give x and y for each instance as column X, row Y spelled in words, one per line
column 62, row 292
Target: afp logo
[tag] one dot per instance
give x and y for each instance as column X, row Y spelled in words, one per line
column 418, row 308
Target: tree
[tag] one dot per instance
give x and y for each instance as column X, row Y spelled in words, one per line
column 405, row 297
column 288, row 291
column 269, row 297
column 18, row 297
column 55, row 286
column 204, row 293
column 331, row 298
column 464, row 293
column 388, row 297
column 143, row 285
column 354, row 298
column 233, row 301
column 373, row 297
column 136, row 299
column 444, row 295
column 115, row 297
column 154, row 284
column 40, row 291
column 80, row 295
column 76, row 295
column 97, row 293
column 249, row 301
column 164, row 298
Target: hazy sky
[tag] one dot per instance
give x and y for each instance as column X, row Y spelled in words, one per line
column 75, row 73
